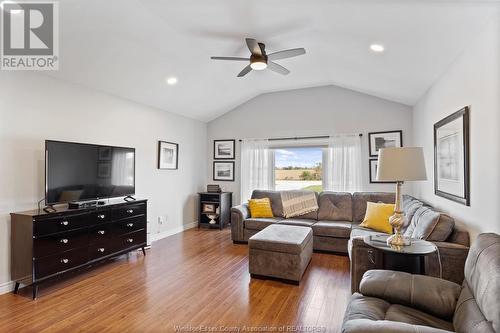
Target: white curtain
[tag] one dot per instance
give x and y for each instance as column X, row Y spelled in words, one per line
column 342, row 164
column 257, row 167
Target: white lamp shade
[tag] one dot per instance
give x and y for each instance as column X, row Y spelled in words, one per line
column 401, row 164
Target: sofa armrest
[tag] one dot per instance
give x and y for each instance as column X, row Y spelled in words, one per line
column 386, row 326
column 452, row 258
column 432, row 295
column 238, row 216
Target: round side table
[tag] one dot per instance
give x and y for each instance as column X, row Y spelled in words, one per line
column 409, row 258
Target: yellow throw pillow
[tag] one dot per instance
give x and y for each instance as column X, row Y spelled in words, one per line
column 377, row 217
column 260, row 207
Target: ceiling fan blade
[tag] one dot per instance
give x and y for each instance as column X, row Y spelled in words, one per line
column 286, row 54
column 230, row 58
column 262, row 48
column 253, row 46
column 277, row 68
column 245, row 71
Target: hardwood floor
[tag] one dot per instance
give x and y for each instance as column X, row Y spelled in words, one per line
column 195, row 278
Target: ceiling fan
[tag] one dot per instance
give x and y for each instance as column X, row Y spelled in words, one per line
column 259, row 60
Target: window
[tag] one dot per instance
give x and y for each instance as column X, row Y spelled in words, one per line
column 298, row 168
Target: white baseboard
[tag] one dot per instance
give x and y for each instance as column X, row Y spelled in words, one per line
column 155, row 237
column 8, row 286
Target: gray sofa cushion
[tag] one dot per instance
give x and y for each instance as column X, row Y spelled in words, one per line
column 359, row 200
column 335, row 206
column 435, row 296
column 409, row 209
column 370, row 314
column 443, row 229
column 274, row 197
column 479, row 304
column 423, row 223
column 339, row 229
column 260, row 223
column 298, row 221
column 282, row 238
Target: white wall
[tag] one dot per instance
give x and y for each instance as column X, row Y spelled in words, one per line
column 34, row 107
column 312, row 111
column 473, row 79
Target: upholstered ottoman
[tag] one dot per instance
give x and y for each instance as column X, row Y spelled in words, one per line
column 281, row 251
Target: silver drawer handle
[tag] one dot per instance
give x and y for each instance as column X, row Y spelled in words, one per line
column 101, row 249
column 130, row 240
column 101, row 216
column 130, row 211
column 64, row 261
column 370, row 257
column 130, row 225
column 64, row 223
column 64, row 240
column 101, row 232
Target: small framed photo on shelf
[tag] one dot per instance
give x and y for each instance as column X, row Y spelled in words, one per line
column 168, row 155
column 373, row 173
column 224, row 149
column 208, row 208
column 387, row 139
column 224, row 171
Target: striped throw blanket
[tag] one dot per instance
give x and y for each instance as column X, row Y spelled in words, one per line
column 296, row 203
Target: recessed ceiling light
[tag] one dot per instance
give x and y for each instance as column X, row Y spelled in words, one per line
column 377, row 48
column 172, row 80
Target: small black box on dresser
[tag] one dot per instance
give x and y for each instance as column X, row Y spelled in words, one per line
column 45, row 245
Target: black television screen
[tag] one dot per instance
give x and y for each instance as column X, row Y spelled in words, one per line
column 79, row 172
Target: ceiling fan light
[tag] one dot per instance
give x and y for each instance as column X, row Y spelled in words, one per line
column 258, row 65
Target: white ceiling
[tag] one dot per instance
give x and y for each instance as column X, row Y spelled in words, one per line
column 128, row 47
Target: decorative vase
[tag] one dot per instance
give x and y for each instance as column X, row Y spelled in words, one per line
column 212, row 218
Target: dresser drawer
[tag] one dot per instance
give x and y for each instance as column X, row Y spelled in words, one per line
column 129, row 225
column 100, row 233
column 128, row 211
column 52, row 225
column 125, row 241
column 100, row 249
column 60, row 262
column 60, row 242
column 99, row 217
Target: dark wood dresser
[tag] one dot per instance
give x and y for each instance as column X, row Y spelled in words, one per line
column 45, row 245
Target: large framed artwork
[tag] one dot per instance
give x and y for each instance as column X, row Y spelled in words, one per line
column 451, row 157
column 168, row 155
column 224, row 149
column 224, row 171
column 373, row 173
column 387, row 139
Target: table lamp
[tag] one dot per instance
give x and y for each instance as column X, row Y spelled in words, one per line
column 400, row 165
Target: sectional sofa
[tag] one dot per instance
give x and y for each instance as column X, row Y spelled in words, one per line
column 336, row 229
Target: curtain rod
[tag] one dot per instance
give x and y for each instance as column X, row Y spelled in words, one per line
column 300, row 138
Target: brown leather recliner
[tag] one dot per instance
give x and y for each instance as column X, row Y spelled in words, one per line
column 392, row 301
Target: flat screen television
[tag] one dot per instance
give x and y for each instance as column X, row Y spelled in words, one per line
column 82, row 172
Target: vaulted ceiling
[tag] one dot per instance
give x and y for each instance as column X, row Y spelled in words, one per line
column 129, row 47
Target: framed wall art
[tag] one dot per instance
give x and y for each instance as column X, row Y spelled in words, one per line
column 387, row 139
column 168, row 155
column 224, row 149
column 451, row 157
column 224, row 171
